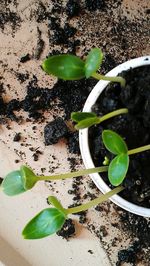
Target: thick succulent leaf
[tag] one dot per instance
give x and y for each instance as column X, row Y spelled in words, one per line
column 93, row 61
column 12, row 184
column 67, row 67
column 45, row 223
column 118, row 168
column 114, row 142
column 79, row 116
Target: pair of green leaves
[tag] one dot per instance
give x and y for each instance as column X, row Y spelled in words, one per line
column 119, row 165
column 47, row 222
column 113, row 142
column 84, row 119
column 19, row 181
column 70, row 67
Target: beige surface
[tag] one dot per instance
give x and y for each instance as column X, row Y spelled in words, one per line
column 15, row 212
column 51, row 251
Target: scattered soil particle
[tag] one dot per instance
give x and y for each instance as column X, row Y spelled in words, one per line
column 138, row 226
column 61, row 35
column 41, row 12
column 54, row 131
column 90, row 251
column 103, row 230
column 25, row 58
column 93, row 5
column 68, row 229
column 8, row 17
column 36, row 154
column 13, row 105
column 147, row 11
column 72, row 8
column 17, row 137
column 40, row 45
column 22, row 77
column 72, row 94
column 1, row 179
column 129, row 255
column 73, row 142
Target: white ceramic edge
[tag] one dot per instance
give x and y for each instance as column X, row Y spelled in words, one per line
column 83, row 137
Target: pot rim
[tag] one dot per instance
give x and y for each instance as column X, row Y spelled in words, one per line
column 83, row 137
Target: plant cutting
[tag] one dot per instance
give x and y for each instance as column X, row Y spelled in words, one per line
column 51, row 220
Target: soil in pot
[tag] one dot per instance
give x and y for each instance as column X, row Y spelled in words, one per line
column 134, row 127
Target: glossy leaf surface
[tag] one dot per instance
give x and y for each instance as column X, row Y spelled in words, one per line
column 67, row 67
column 12, row 184
column 28, row 177
column 79, row 116
column 93, row 61
column 45, row 223
column 114, row 142
column 87, row 123
column 118, row 168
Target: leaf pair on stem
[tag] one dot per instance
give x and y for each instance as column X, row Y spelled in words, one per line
column 71, row 67
column 50, row 220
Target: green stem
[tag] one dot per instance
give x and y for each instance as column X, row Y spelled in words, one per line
column 140, row 149
column 112, row 114
column 112, row 79
column 75, row 174
column 94, row 202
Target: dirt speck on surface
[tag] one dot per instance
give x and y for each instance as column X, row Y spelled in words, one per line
column 68, row 229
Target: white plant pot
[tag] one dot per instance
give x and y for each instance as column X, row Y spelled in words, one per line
column 83, row 136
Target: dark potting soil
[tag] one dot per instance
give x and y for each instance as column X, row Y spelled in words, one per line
column 139, row 229
column 134, row 127
column 67, row 230
column 55, row 130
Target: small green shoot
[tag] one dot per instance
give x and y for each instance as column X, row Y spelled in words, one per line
column 118, row 167
column 17, row 182
column 88, row 119
column 50, row 220
column 71, row 67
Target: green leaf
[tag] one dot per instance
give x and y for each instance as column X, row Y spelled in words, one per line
column 114, row 142
column 93, row 61
column 56, row 203
column 28, row 177
column 67, row 67
column 79, row 116
column 118, row 168
column 12, row 184
column 45, row 223
column 87, row 123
